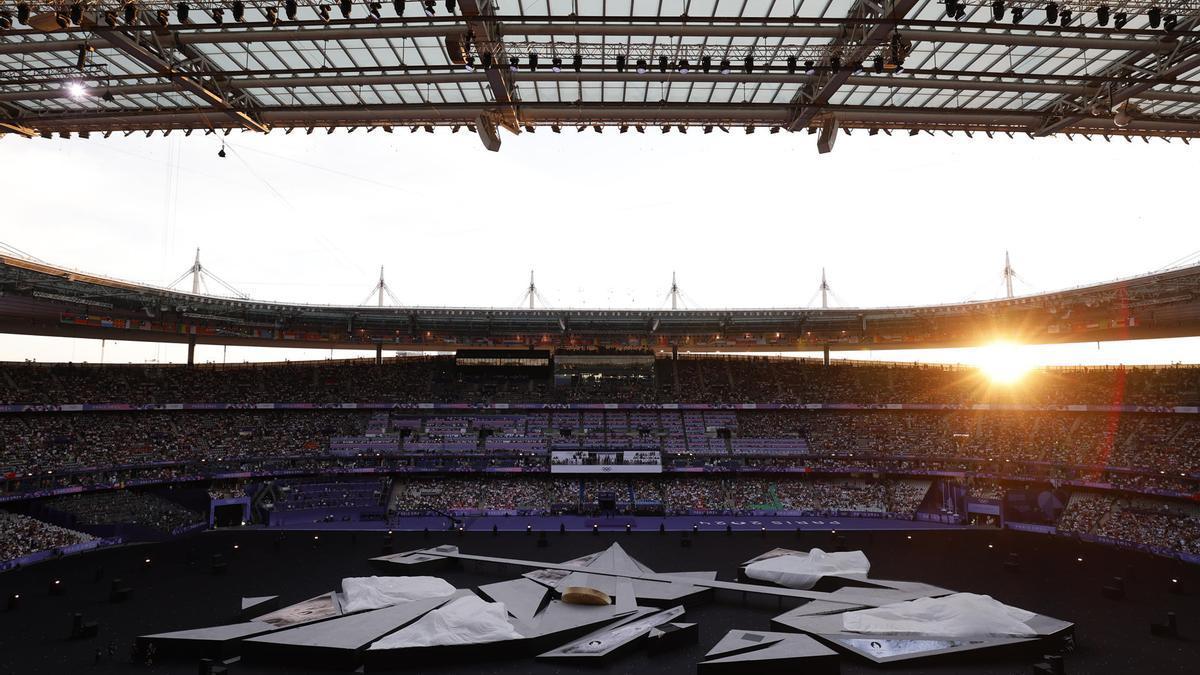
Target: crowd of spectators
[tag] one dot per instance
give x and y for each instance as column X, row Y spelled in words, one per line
column 21, row 535
column 1140, row 522
column 706, row 379
column 40, row 442
column 668, row 494
column 300, row 494
column 124, row 506
column 1148, row 452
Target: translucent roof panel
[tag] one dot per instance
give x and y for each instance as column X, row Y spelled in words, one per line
column 735, row 62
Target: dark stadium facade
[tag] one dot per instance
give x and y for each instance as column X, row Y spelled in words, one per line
column 41, row 299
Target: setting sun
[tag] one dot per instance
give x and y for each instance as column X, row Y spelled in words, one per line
column 1004, row 362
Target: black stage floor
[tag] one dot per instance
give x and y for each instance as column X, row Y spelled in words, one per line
column 172, row 593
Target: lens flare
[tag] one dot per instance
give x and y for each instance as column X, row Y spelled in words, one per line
column 1004, row 362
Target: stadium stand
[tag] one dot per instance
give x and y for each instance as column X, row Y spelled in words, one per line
column 21, row 535
column 1116, row 431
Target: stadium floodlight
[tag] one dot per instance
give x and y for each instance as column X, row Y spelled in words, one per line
column 810, row 68
column 620, row 63
column 450, row 5
column 641, row 66
column 1170, row 21
column 218, row 16
column 514, row 64
column 1120, row 19
column 221, row 152
column 684, row 67
column 951, row 8
column 23, row 13
column 706, row 63
column 791, row 63
column 398, row 7
column 238, row 9
column 835, row 63
column 1102, row 15
column 1154, row 17
column 76, row 90
column 1051, row 12
column 662, row 64
column 708, row 128
column 1064, row 17
column 997, row 10
column 533, row 61
column 556, row 64
column 346, row 7
column 878, row 65
column 748, row 63
column 725, row 69
column 272, row 15
column 290, row 8
column 164, row 17
column 555, row 128
column 469, row 63
column 577, row 62
column 183, row 11
column 5, row 19
column 624, row 128
column 131, row 13
column 375, row 11
column 429, row 7
column 749, row 128
column 76, row 13
column 486, row 60
column 640, row 129
column 666, row 128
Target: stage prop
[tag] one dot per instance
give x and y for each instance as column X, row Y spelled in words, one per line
column 828, row 604
column 255, row 606
column 743, row 652
column 672, row 635
column 608, row 642
column 804, row 570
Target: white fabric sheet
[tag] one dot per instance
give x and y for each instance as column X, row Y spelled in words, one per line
column 803, row 571
column 374, row 592
column 958, row 615
column 465, row 621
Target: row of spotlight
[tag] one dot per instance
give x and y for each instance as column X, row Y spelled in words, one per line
column 956, row 9
column 131, row 11
column 683, row 66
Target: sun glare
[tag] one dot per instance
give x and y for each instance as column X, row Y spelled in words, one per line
column 1004, row 362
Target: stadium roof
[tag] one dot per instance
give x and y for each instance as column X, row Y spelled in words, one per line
column 40, row 299
column 822, row 65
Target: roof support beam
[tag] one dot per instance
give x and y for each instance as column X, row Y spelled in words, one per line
column 284, row 34
column 152, row 55
column 849, row 117
column 855, row 44
column 883, row 81
column 1131, row 77
column 504, row 92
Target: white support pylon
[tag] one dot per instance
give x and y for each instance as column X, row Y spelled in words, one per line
column 196, row 274
column 1009, row 273
column 824, row 290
